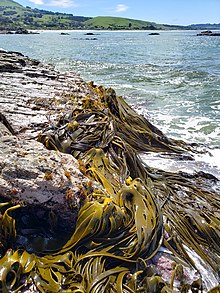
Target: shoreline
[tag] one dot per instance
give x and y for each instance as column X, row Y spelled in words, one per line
column 42, row 104
column 106, row 30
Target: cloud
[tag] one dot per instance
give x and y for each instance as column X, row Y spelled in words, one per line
column 61, row 3
column 37, row 2
column 121, row 8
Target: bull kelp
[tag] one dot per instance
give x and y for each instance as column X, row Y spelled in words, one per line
column 130, row 211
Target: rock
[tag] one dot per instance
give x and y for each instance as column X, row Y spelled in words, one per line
column 154, row 34
column 32, row 93
column 44, row 182
column 164, row 266
column 91, row 39
column 22, row 31
column 36, row 177
column 208, row 33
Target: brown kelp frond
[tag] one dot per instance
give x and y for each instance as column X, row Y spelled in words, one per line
column 192, row 230
column 137, row 201
column 48, row 273
column 126, row 219
column 12, row 268
column 7, row 225
column 98, row 278
column 7, row 124
column 99, row 168
column 103, row 273
column 215, row 290
column 108, row 280
column 108, row 117
column 100, row 218
column 79, row 133
column 54, row 273
column 192, row 218
column 134, row 128
column 133, row 218
column 131, row 162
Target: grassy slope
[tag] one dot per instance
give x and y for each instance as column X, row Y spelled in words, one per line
column 9, row 3
column 14, row 15
column 107, row 22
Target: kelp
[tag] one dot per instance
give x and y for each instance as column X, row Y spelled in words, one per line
column 6, row 123
column 197, row 226
column 7, row 224
column 131, row 225
column 13, row 266
column 136, row 211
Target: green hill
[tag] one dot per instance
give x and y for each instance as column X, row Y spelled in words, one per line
column 14, row 16
column 115, row 23
column 9, row 3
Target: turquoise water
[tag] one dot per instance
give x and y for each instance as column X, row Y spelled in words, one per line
column 173, row 78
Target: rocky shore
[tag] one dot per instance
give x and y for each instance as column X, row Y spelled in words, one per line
column 29, row 98
column 89, row 216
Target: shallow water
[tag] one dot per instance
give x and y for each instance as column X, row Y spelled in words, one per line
column 173, row 79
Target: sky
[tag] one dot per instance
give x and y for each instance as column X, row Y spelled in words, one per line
column 182, row 12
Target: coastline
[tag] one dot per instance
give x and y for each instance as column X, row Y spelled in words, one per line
column 41, row 97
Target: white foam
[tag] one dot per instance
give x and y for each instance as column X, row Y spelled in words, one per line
column 208, row 162
column 212, row 158
column 209, row 279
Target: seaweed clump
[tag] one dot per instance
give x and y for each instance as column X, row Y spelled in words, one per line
column 136, row 211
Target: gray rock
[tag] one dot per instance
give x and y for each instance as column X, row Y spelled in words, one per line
column 31, row 95
column 32, row 175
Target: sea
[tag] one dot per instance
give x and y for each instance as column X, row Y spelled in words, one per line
column 172, row 78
